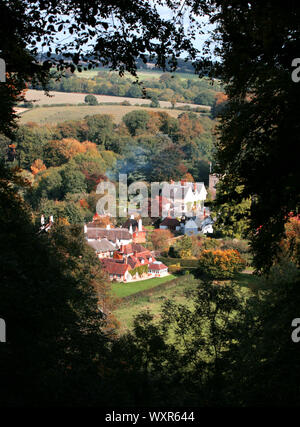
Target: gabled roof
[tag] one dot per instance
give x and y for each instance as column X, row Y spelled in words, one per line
column 170, row 222
column 102, row 245
column 191, row 224
column 110, row 234
column 192, row 190
column 155, row 266
column 133, row 262
column 112, row 266
column 133, row 247
column 207, row 221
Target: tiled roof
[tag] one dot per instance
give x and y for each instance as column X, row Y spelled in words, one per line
column 112, row 266
column 133, row 247
column 101, row 245
column 157, row 267
column 111, row 234
column 133, row 262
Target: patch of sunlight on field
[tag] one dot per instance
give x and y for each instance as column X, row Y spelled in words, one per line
column 125, row 289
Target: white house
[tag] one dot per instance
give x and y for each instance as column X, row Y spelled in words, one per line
column 157, row 268
column 197, row 225
column 187, row 197
column 207, row 225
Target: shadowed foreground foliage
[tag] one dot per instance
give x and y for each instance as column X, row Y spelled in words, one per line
column 231, row 346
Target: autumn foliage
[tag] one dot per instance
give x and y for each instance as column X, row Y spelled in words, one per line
column 220, row 264
column 37, row 166
column 291, row 244
column 221, row 97
column 160, row 239
column 67, row 148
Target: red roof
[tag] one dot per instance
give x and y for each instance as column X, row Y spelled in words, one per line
column 157, row 266
column 133, row 247
column 112, row 266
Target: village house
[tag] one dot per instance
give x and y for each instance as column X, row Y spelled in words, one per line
column 117, row 270
column 103, row 248
column 187, row 197
column 158, row 269
column 133, row 262
column 136, row 229
column 169, row 223
column 188, row 205
column 117, row 236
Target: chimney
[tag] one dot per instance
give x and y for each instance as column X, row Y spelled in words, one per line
column 108, row 227
column 140, row 224
column 42, row 220
column 130, row 229
column 85, row 229
column 51, row 219
column 131, row 216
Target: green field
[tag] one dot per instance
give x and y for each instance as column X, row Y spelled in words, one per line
column 126, row 311
column 122, row 290
column 53, row 115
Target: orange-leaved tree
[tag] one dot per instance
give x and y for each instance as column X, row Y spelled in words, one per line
column 220, row 264
column 160, row 239
column 37, row 166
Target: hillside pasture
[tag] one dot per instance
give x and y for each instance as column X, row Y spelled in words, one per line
column 38, row 97
column 43, row 115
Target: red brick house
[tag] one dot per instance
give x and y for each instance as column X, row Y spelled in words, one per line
column 124, row 266
column 136, row 229
column 117, row 270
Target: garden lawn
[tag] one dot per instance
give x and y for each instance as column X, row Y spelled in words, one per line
column 122, row 290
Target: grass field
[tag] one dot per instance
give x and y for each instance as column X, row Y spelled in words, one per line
column 124, row 289
column 126, row 312
column 38, row 97
column 53, row 115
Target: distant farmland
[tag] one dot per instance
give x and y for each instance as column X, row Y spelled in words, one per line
column 59, row 114
column 75, row 98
